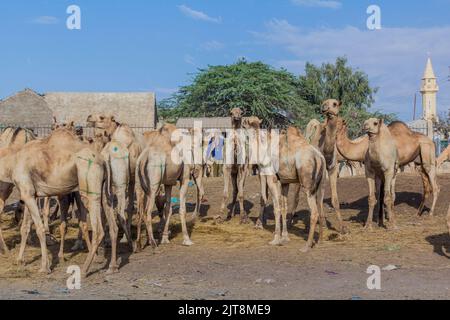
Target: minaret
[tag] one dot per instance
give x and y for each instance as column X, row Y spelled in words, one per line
column 429, row 90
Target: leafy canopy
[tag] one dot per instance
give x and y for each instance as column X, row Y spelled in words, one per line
column 276, row 96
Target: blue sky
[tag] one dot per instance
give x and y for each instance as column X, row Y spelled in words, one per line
column 141, row 45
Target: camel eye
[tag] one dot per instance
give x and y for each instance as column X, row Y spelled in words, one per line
column 376, row 123
column 102, row 118
column 335, row 104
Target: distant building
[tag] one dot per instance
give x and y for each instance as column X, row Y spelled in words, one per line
column 220, row 123
column 429, row 90
column 28, row 108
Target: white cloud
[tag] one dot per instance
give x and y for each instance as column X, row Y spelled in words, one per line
column 318, row 3
column 189, row 59
column 198, row 15
column 212, row 45
column 394, row 58
column 46, row 20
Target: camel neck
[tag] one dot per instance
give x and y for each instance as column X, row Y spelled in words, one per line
column 352, row 150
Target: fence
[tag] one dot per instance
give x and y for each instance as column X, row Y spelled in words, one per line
column 44, row 130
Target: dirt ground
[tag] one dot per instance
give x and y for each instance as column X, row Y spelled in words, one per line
column 233, row 261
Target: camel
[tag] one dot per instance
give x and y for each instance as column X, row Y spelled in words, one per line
column 413, row 147
column 235, row 172
column 445, row 156
column 381, row 163
column 160, row 165
column 12, row 139
column 303, row 165
column 55, row 166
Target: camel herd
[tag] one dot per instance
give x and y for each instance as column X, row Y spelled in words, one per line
column 118, row 173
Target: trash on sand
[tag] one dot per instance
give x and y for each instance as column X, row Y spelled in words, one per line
column 266, row 281
column 393, row 247
column 390, row 267
column 331, row 273
column 31, row 291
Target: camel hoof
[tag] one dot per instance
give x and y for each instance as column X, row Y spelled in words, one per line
column 45, row 270
column 285, row 239
column 187, row 243
column 61, row 257
column 368, row 227
column 165, row 240
column 244, row 220
column 20, row 262
column 219, row 219
column 154, row 245
column 113, row 270
column 275, row 242
column 259, row 225
column 305, row 249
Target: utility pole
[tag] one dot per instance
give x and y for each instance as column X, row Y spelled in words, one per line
column 415, row 106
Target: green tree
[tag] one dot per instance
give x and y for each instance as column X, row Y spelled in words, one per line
column 340, row 81
column 256, row 88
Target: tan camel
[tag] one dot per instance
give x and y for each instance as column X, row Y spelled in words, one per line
column 236, row 173
column 56, row 166
column 161, row 165
column 445, row 156
column 301, row 164
column 381, row 163
column 12, row 139
column 413, row 147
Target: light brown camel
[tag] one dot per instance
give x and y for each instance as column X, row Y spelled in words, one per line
column 443, row 157
column 56, row 166
column 161, row 164
column 413, row 147
column 237, row 171
column 301, row 164
column 12, row 139
column 381, row 163
column 107, row 127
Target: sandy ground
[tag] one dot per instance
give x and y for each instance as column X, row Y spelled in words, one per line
column 233, row 261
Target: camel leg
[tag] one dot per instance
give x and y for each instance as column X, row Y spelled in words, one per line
column 123, row 215
column 263, row 181
column 226, row 189
column 312, row 202
column 241, row 184
column 333, row 174
column 432, row 180
column 234, row 183
column 200, row 194
column 284, row 213
column 292, row 205
column 33, row 208
column 277, row 234
column 140, row 197
column 25, row 229
column 168, row 214
column 64, row 207
column 113, row 234
column 322, row 224
column 97, row 230
column 388, row 177
column 5, row 192
column 448, row 219
column 372, row 200
column 83, row 232
column 426, row 190
column 149, row 218
column 183, row 191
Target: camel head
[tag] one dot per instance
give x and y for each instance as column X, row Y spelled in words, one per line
column 373, row 126
column 236, row 116
column 70, row 125
column 331, row 108
column 101, row 121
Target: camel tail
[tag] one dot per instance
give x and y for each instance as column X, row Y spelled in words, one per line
column 321, row 174
column 108, row 178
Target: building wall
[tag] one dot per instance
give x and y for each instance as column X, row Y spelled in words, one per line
column 25, row 108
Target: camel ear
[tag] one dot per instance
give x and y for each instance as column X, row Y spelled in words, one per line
column 381, row 121
column 72, row 123
column 339, row 104
column 54, row 120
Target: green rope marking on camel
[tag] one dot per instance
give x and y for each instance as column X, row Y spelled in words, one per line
column 90, row 163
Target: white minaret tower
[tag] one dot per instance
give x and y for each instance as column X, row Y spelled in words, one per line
column 429, row 90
